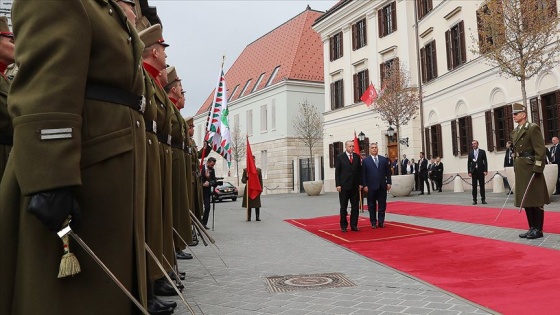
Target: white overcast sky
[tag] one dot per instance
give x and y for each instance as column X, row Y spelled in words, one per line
column 200, row 32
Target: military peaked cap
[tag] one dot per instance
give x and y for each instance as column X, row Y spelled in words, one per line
column 4, row 28
column 171, row 75
column 152, row 35
column 518, row 108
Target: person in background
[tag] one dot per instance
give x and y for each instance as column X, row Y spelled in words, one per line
column 508, row 162
column 554, row 158
column 477, row 166
column 423, row 173
column 438, row 174
column 207, row 177
column 404, row 165
column 7, row 48
column 253, row 203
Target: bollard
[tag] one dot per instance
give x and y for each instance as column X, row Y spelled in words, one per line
column 458, row 184
column 498, row 184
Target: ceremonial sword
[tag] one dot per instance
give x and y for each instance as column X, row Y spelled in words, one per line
column 525, row 194
column 68, row 230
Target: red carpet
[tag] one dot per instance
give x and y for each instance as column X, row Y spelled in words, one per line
column 510, row 218
column 505, row 277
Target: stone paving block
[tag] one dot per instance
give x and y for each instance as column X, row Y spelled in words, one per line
column 438, row 306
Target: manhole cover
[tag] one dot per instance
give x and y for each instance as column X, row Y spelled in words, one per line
column 307, row 282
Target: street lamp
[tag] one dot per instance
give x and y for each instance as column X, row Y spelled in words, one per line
column 361, row 136
column 390, row 133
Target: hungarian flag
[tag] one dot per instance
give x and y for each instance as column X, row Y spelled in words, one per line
column 356, row 144
column 370, row 95
column 217, row 128
column 253, row 184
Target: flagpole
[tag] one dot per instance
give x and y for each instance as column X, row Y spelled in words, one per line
column 208, row 118
column 247, row 184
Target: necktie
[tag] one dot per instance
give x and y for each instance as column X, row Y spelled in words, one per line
column 375, row 161
column 350, row 157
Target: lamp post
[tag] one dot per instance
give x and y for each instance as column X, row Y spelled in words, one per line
column 361, row 138
column 390, row 133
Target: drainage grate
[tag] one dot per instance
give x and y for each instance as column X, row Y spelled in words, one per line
column 307, row 282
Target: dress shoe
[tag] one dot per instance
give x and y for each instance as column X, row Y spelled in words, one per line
column 484, row 202
column 355, row 229
column 343, row 230
column 206, row 227
column 183, row 255
column 373, row 226
column 171, row 304
column 163, row 288
column 257, row 219
column 534, row 234
column 193, row 243
column 439, row 190
column 381, row 225
column 428, row 192
column 173, row 276
column 524, row 235
column 474, row 202
column 420, row 193
column 156, row 308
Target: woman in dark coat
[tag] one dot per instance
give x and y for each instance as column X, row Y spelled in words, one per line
column 253, row 203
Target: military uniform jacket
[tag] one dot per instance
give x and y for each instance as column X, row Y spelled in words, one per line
column 6, row 128
column 530, row 158
column 253, row 203
column 62, row 138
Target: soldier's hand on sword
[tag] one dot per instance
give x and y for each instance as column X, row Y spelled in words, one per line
column 52, row 207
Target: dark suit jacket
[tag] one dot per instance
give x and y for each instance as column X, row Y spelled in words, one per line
column 556, row 156
column 347, row 175
column 376, row 177
column 404, row 163
column 437, row 169
column 423, row 167
column 508, row 159
column 481, row 164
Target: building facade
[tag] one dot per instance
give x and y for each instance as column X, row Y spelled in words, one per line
column 265, row 86
column 464, row 98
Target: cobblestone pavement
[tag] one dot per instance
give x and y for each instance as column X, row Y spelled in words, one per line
column 230, row 280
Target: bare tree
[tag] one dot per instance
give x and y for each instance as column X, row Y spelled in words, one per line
column 308, row 125
column 238, row 147
column 398, row 101
column 520, row 37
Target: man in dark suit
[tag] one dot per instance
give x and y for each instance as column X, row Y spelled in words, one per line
column 348, row 182
column 508, row 161
column 207, row 177
column 404, row 164
column 423, row 173
column 377, row 181
column 414, row 171
column 477, row 166
column 395, row 166
column 554, row 158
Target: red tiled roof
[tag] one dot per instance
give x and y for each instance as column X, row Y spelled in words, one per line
column 294, row 46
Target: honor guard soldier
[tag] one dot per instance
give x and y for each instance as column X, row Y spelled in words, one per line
column 154, row 64
column 79, row 143
column 6, row 58
column 181, row 218
column 195, row 166
column 530, row 158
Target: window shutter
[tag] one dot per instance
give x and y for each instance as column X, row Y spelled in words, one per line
column 331, row 155
column 424, row 64
column 448, row 49
column 454, row 137
column 333, row 93
column 354, row 36
column 509, row 122
column 331, row 43
column 439, row 144
column 364, row 30
column 366, row 80
column 535, row 112
column 463, row 45
column 396, row 63
column 489, row 133
column 356, row 88
column 419, row 9
column 340, row 147
column 481, row 41
column 394, row 15
column 434, row 55
column 382, row 72
column 552, row 9
column 427, row 137
column 341, row 45
column 366, row 146
column 341, row 94
column 430, row 5
column 381, row 23
column 558, row 109
column 468, row 121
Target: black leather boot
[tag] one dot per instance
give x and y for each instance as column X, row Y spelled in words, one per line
column 524, row 235
column 163, row 288
column 258, row 213
column 248, row 214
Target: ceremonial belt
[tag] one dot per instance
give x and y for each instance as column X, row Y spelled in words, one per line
column 7, row 139
column 163, row 138
column 116, row 95
column 178, row 145
column 524, row 154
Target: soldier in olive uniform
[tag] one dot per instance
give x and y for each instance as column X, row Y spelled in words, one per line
column 253, row 203
column 154, row 64
column 79, row 138
column 195, row 166
column 530, row 158
column 6, row 58
column 181, row 217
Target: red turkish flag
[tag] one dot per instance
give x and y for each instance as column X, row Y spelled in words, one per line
column 370, row 95
column 356, row 144
column 253, row 184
